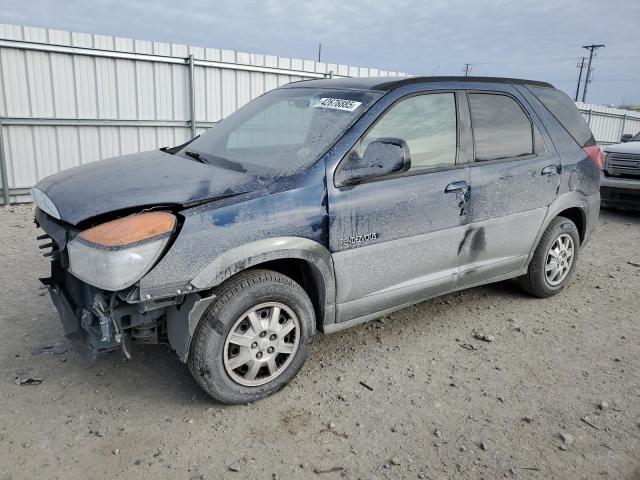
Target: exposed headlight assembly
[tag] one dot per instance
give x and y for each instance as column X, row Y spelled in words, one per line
column 116, row 254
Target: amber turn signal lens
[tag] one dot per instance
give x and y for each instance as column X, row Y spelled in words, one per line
column 132, row 229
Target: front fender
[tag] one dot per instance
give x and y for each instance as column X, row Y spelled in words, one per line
column 248, row 255
column 182, row 322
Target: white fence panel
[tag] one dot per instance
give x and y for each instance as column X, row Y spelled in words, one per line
column 608, row 124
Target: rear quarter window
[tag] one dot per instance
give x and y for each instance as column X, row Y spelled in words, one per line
column 566, row 112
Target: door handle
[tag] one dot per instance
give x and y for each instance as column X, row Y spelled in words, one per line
column 456, row 186
column 551, row 170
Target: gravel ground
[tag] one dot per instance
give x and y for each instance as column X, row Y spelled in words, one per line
column 555, row 394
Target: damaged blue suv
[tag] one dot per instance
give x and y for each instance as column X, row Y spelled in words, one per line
column 318, row 206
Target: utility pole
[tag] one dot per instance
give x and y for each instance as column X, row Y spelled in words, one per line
column 592, row 52
column 581, row 67
column 319, row 51
column 467, row 69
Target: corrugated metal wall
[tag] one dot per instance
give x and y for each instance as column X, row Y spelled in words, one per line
column 608, row 124
column 70, row 98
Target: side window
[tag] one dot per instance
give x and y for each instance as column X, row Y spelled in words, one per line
column 427, row 123
column 501, row 129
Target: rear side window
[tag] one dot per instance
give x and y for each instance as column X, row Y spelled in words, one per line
column 565, row 111
column 501, row 129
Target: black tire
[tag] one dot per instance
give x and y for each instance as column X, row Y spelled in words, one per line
column 235, row 297
column 535, row 282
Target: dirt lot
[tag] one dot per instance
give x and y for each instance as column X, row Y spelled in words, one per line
column 441, row 403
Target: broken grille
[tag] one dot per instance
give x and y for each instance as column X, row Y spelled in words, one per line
column 54, row 252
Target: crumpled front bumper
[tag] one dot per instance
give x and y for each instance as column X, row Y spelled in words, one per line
column 97, row 321
column 71, row 323
column 96, row 327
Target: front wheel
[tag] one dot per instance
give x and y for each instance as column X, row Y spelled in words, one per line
column 254, row 338
column 554, row 260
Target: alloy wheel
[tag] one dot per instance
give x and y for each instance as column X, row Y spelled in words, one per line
column 261, row 344
column 559, row 260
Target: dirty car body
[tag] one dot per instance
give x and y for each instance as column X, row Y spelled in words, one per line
column 368, row 194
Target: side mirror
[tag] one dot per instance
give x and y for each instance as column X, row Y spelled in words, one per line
column 626, row 137
column 381, row 157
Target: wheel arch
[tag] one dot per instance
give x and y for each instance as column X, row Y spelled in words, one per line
column 305, row 274
column 577, row 216
column 575, row 207
column 305, row 261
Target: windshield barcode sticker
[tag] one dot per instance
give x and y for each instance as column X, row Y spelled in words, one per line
column 337, row 104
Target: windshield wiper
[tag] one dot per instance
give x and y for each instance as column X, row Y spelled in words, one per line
column 226, row 164
column 195, row 156
column 177, row 148
column 217, row 161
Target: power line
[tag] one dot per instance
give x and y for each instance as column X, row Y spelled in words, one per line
column 592, row 52
column 526, row 61
column 550, row 60
column 619, row 57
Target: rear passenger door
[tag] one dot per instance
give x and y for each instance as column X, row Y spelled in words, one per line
column 515, row 175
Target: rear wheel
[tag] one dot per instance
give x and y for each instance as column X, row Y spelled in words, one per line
column 254, row 338
column 554, row 260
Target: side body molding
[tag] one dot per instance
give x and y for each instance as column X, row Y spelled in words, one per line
column 254, row 253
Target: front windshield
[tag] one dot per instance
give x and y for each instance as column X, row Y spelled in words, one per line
column 282, row 132
column 635, row 138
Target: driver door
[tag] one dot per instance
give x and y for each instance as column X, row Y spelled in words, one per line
column 394, row 239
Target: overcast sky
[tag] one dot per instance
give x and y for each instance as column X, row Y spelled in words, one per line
column 538, row 39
